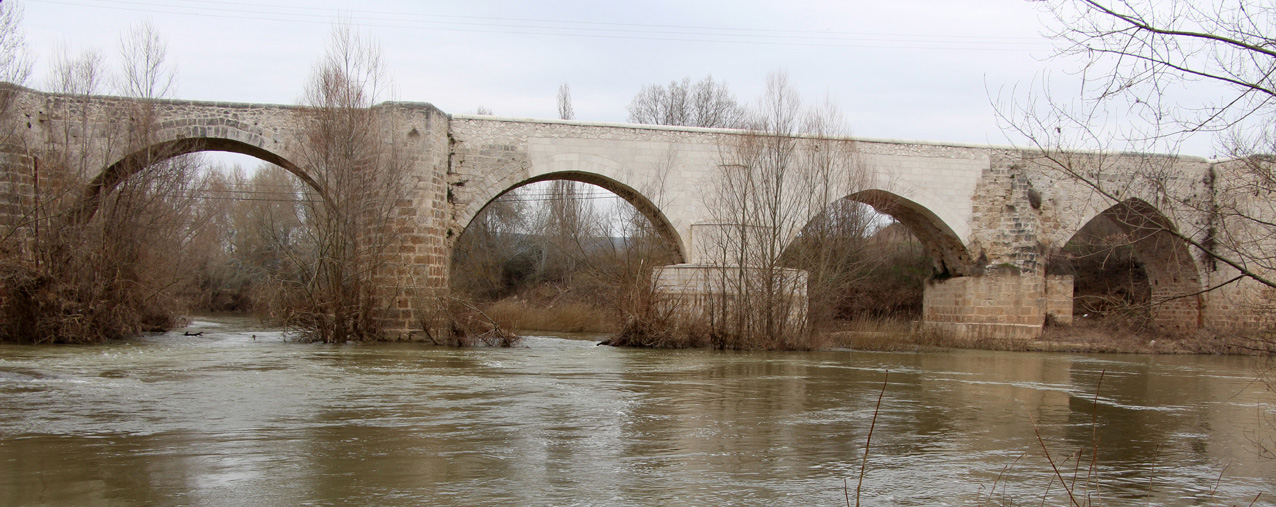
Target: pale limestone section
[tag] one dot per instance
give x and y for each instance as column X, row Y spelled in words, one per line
column 672, row 174
column 669, row 172
column 663, row 172
column 940, row 178
column 720, row 244
column 1242, row 233
column 700, row 294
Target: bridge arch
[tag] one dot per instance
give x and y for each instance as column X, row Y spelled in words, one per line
column 131, row 163
column 948, row 254
column 645, row 206
column 1172, row 273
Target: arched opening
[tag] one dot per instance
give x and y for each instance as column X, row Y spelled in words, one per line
column 258, row 233
column 118, row 254
column 1129, row 269
column 131, row 164
column 868, row 257
column 564, row 251
column 948, row 254
column 640, row 203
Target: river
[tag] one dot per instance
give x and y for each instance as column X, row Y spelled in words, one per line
column 239, row 416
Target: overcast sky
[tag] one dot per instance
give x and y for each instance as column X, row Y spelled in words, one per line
column 906, row 69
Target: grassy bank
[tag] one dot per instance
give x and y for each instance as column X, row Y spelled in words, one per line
column 906, row 335
column 567, row 317
column 1090, row 337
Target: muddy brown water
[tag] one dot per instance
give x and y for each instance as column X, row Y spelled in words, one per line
column 226, row 419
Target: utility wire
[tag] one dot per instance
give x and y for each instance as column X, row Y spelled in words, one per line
column 599, row 30
column 327, row 13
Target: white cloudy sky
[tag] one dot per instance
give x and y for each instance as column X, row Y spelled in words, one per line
column 903, row 69
column 907, row 69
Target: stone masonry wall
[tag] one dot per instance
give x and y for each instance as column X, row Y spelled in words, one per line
column 1006, row 217
column 1058, row 299
column 1001, row 306
column 416, row 272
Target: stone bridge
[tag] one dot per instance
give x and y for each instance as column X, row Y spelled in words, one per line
column 990, row 217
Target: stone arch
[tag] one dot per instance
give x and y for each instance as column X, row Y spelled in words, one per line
column 1172, row 273
column 644, row 205
column 133, row 162
column 947, row 252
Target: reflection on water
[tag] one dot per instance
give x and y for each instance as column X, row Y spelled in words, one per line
column 238, row 417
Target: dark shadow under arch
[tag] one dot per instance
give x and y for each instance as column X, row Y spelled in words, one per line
column 948, row 253
column 644, row 205
column 109, row 178
column 1172, row 274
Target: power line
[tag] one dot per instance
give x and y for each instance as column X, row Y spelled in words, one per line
column 584, row 29
column 327, row 13
column 243, row 199
column 553, row 199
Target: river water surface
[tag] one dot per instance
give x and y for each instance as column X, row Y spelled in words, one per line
column 238, row 416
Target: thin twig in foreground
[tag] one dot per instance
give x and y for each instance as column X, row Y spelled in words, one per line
column 1046, row 450
column 999, row 476
column 1152, row 475
column 1093, row 473
column 868, row 441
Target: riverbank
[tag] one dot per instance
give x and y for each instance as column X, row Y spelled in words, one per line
column 901, row 335
column 893, row 335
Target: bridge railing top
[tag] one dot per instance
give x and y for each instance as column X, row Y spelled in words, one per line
column 703, row 130
column 199, row 103
column 171, row 102
column 632, row 126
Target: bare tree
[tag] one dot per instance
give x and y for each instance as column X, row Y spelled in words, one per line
column 251, row 235
column 485, row 258
column 15, row 60
column 773, row 181
column 703, row 104
column 146, row 70
column 360, row 179
column 1154, row 60
column 832, row 242
column 82, row 74
column 105, row 257
column 565, row 111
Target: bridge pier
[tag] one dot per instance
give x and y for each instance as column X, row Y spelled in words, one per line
column 998, row 306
